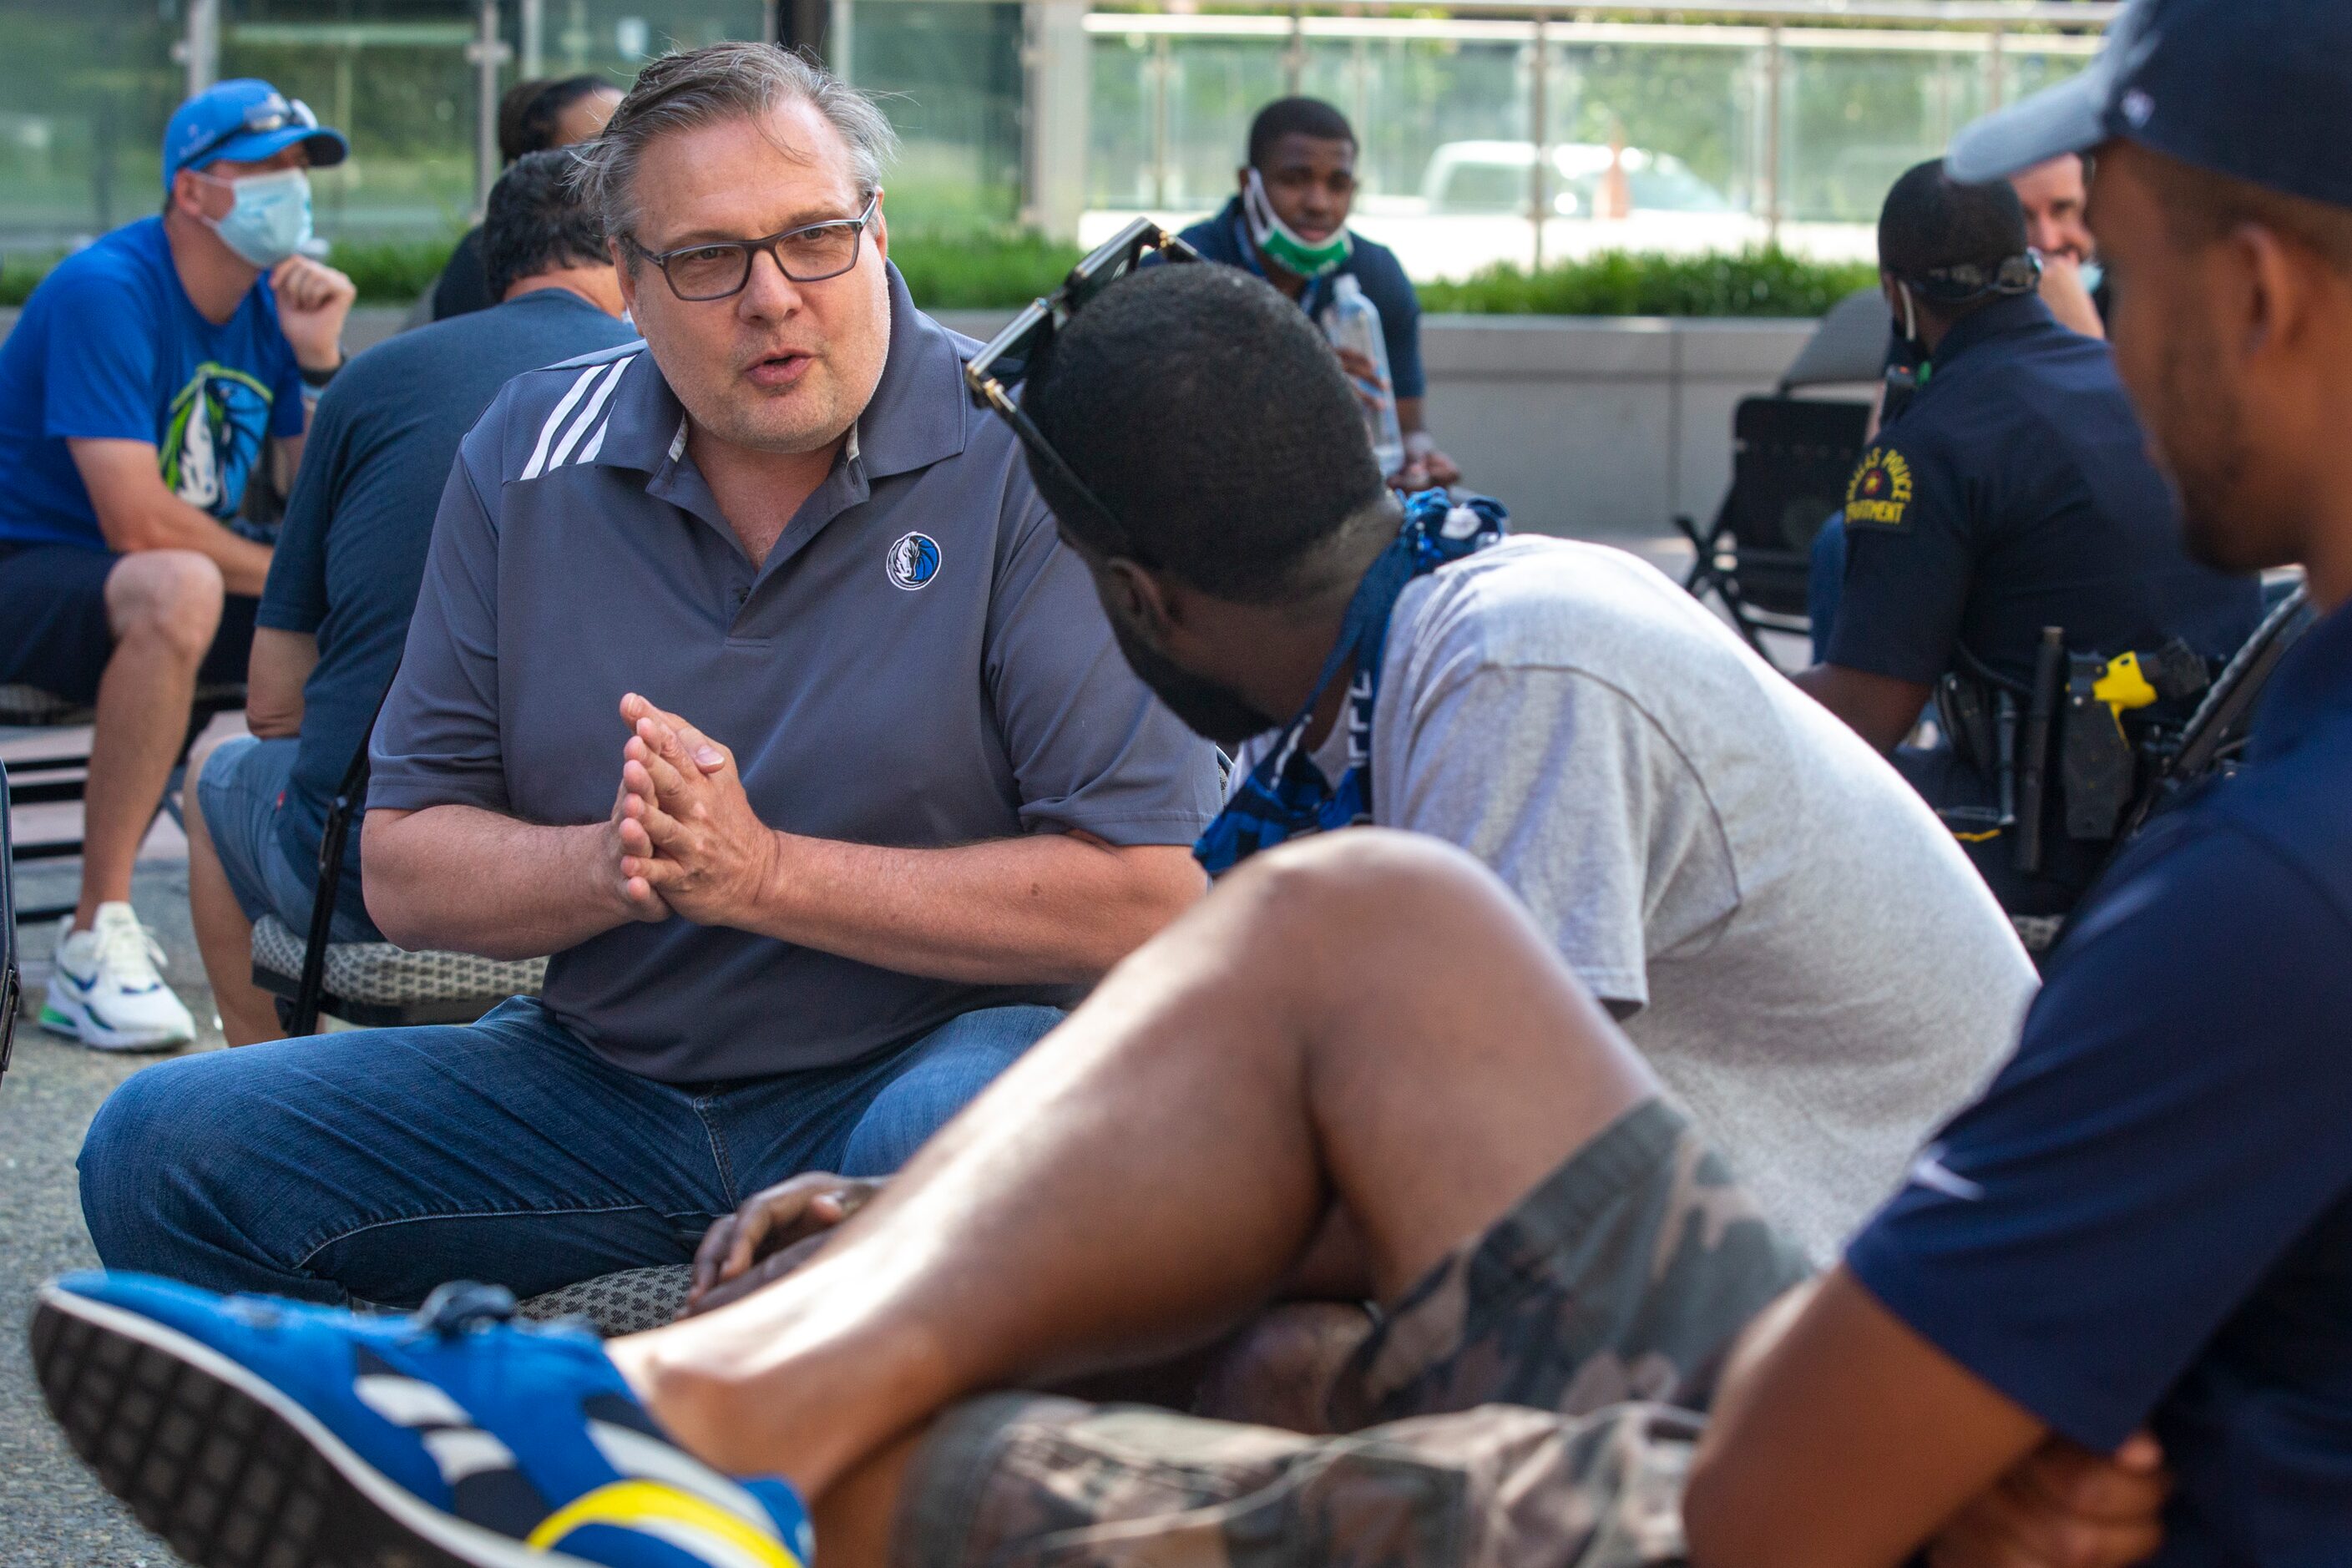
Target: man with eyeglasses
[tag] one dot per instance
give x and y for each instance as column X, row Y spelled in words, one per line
column 139, row 392
column 749, row 679
column 2014, row 492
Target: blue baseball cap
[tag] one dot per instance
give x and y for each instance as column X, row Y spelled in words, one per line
column 245, row 121
column 2254, row 89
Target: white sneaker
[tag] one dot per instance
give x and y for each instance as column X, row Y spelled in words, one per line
column 104, row 990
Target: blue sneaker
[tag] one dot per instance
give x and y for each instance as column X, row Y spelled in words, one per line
column 256, row 1433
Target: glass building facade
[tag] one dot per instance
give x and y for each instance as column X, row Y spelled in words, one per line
column 1723, row 133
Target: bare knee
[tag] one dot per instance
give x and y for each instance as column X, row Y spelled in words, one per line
column 1368, row 885
column 1397, row 945
column 170, row 598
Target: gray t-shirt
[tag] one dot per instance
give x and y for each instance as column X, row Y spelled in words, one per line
column 1789, row 935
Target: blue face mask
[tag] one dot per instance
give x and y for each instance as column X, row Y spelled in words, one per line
column 2093, row 276
column 271, row 219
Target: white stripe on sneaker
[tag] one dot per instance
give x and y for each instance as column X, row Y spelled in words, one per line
column 408, row 1401
column 633, row 1454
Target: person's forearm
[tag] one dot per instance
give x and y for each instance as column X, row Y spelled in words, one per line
column 469, row 880
column 1050, row 907
column 274, row 673
column 167, row 522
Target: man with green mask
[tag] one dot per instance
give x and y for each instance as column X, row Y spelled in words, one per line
column 139, row 392
column 1288, row 224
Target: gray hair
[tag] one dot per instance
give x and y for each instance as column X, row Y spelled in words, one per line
column 689, row 89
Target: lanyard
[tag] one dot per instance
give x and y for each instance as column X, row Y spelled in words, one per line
column 1287, row 796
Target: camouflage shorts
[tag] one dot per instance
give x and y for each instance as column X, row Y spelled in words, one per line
column 1491, row 1420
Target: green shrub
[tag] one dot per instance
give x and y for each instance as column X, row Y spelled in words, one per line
column 392, row 272
column 19, row 273
column 1000, row 270
column 1755, row 283
column 981, row 272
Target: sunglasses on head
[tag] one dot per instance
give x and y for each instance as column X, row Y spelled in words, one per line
column 996, row 370
column 1968, row 282
column 270, row 114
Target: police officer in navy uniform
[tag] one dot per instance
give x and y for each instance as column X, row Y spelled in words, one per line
column 2014, row 492
column 1288, row 224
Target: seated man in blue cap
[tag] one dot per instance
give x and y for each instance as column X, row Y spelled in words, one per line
column 137, row 394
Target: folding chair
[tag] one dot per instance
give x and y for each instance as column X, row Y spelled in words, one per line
column 372, row 983
column 1791, row 457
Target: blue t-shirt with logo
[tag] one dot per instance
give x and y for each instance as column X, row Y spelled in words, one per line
column 110, row 347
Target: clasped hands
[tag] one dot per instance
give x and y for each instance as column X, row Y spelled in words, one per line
column 683, row 838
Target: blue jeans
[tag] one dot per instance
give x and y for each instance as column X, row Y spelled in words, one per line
column 377, row 1163
column 243, row 791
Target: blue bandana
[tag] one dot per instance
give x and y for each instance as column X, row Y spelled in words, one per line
column 1287, row 796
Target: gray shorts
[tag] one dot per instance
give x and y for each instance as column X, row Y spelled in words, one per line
column 1531, row 1401
column 242, row 793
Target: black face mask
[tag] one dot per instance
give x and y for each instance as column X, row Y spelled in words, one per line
column 1207, row 709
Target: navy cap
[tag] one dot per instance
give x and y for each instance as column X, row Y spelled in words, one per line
column 2255, row 90
column 245, row 121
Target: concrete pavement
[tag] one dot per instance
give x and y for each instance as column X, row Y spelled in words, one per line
column 52, row 1510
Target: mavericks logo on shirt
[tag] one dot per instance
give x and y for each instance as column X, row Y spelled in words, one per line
column 212, row 438
column 1879, row 495
column 913, row 561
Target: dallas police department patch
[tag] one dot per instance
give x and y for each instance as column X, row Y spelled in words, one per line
column 914, row 561
column 1879, row 494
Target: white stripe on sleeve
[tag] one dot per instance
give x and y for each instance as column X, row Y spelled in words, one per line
column 547, row 431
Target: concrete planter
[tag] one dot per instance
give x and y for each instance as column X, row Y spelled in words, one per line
column 1586, row 426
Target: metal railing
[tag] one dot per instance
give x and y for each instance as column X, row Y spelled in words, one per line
column 1770, row 40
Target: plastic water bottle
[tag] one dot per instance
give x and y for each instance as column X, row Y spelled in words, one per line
column 1352, row 322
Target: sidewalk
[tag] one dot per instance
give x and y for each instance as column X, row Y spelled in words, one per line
column 52, row 1510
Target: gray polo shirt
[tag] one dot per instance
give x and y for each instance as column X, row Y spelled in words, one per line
column 919, row 663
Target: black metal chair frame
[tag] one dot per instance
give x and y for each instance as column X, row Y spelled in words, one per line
column 299, row 1012
column 2216, row 734
column 299, row 1006
column 1726, row 556
column 12, row 988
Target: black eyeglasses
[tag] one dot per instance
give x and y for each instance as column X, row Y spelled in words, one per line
column 996, row 370
column 719, row 269
column 269, row 114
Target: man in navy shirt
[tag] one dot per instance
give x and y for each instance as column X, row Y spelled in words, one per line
column 138, row 392
column 349, row 555
column 2013, row 492
column 1288, row 224
column 2147, row 1221
column 749, row 683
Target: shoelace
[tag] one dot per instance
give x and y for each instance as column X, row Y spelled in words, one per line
column 461, row 1306
column 127, row 945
